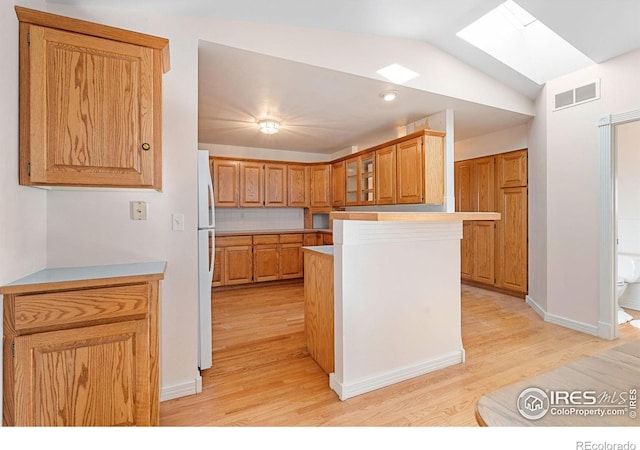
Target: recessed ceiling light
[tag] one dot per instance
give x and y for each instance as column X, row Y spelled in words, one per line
column 389, row 96
column 269, row 126
column 397, row 74
column 516, row 38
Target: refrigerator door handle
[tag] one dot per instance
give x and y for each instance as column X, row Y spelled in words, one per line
column 213, row 254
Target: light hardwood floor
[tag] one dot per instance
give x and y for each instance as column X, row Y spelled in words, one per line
column 262, row 374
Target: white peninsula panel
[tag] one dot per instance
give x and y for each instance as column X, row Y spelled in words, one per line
column 397, row 297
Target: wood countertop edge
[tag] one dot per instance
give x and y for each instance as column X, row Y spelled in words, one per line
column 412, row 216
column 263, row 232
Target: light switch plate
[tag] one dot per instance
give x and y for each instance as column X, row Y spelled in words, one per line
column 138, row 210
column 177, row 222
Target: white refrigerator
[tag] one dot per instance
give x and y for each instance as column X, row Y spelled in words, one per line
column 206, row 227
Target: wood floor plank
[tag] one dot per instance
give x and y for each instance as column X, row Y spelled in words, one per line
column 262, row 374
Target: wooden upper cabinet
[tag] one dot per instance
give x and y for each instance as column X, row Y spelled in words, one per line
column 433, row 175
column 338, row 183
column 298, row 186
column 386, row 176
column 366, row 166
column 409, row 171
column 352, row 185
column 90, row 103
column 464, row 186
column 320, row 180
column 275, row 185
column 226, row 176
column 512, row 169
column 251, row 184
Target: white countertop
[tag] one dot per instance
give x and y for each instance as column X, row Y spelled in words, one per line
column 325, row 249
column 82, row 273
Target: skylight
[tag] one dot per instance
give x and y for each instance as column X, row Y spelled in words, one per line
column 397, row 74
column 516, row 38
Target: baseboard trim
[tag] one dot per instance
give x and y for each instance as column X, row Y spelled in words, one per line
column 349, row 390
column 180, row 390
column 562, row 321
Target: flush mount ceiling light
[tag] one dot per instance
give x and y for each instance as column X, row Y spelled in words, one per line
column 269, row 126
column 389, row 96
column 516, row 38
column 397, row 74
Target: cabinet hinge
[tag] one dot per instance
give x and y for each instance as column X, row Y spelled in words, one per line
column 13, row 349
column 29, row 168
column 29, row 39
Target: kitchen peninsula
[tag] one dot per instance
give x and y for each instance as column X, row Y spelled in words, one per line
column 397, row 296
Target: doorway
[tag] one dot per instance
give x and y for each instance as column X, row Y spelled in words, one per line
column 608, row 314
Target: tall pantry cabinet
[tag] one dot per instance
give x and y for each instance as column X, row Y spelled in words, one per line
column 494, row 254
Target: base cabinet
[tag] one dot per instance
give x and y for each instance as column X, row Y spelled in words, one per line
column 82, row 353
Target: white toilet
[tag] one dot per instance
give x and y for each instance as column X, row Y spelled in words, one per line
column 628, row 285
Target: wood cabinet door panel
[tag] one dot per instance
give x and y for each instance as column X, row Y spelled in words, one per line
column 265, row 262
column 226, row 178
column 513, row 232
column 338, row 180
column 91, row 107
column 238, row 265
column 218, row 268
column 409, row 160
column 90, row 376
column 386, row 176
column 251, row 184
column 483, row 252
column 320, row 179
column 464, row 186
column 512, row 169
column 466, row 251
column 298, row 186
column 275, row 185
column 290, row 261
column 484, row 184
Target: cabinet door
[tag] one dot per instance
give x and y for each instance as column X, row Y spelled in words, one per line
column 433, row 170
column 366, row 166
column 90, row 376
column 91, row 111
column 310, row 239
column 290, row 260
column 483, row 252
column 352, row 186
column 226, row 177
column 484, row 184
column 251, row 184
column 464, row 186
column 338, row 173
column 327, row 239
column 512, row 169
column 298, row 186
column 320, row 185
column 466, row 251
column 218, row 268
column 238, row 265
column 386, row 176
column 512, row 235
column 409, row 171
column 275, row 185
column 265, row 262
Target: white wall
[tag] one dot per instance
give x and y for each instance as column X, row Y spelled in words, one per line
column 90, row 227
column 573, row 185
column 235, row 151
column 509, row 139
column 627, row 139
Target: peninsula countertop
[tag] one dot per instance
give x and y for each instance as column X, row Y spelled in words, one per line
column 376, row 216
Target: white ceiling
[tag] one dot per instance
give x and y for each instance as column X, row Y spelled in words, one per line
column 325, row 111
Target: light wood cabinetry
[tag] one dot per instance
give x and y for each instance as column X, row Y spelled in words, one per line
column 420, row 169
column 338, row 182
column 251, row 184
column 234, row 260
column 275, row 185
column 385, row 188
column 82, row 352
column 318, row 308
column 266, row 258
column 409, row 171
column 291, row 256
column 320, row 179
column 90, row 103
column 226, row 176
column 494, row 254
column 298, row 186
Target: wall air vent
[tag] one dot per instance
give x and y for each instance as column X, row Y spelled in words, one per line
column 577, row 96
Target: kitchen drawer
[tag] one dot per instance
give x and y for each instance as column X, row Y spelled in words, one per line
column 265, row 239
column 291, row 238
column 59, row 309
column 232, row 241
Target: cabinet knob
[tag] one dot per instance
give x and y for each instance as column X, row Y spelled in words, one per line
column 146, row 146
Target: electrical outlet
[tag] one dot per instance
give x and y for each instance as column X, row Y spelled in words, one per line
column 177, row 222
column 138, row 210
